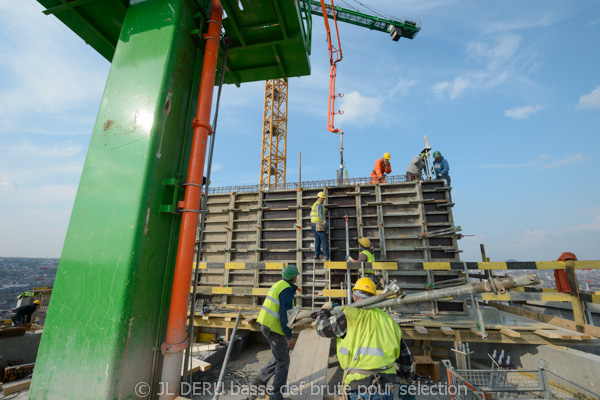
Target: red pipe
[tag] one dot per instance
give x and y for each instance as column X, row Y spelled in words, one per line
column 175, row 341
column 332, row 70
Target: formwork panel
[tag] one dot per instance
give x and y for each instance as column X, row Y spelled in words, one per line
column 396, row 218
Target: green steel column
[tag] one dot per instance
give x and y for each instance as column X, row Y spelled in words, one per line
column 108, row 310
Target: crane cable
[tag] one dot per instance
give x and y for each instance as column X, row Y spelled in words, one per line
column 225, row 46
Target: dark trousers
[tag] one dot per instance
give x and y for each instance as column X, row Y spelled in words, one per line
column 320, row 238
column 278, row 365
column 412, row 177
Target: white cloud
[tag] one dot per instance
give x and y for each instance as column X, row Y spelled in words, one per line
column 359, row 108
column 497, row 58
column 403, row 87
column 42, row 67
column 529, row 237
column 593, row 226
column 536, row 236
column 7, row 186
column 574, row 159
column 590, row 101
column 522, row 112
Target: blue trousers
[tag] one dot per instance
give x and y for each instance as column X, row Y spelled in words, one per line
column 278, row 365
column 320, row 238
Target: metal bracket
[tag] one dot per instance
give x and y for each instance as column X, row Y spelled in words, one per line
column 174, row 348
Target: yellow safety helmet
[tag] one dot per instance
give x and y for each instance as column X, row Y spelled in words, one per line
column 386, row 156
column 364, row 242
column 321, row 195
column 36, row 302
column 366, row 285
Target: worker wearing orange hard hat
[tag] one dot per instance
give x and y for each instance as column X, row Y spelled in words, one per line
column 369, row 346
column 382, row 167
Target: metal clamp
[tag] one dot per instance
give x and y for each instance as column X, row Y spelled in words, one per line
column 174, row 348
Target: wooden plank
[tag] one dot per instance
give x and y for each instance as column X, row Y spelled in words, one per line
column 548, row 334
column 477, row 332
column 447, row 331
column 16, row 386
column 421, row 329
column 196, row 348
column 556, row 321
column 196, row 365
column 308, row 364
column 510, row 332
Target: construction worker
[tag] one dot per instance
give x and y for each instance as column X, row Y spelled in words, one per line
column 441, row 168
column 416, row 167
column 366, row 255
column 369, row 342
column 318, row 224
column 273, row 324
column 22, row 315
column 382, row 167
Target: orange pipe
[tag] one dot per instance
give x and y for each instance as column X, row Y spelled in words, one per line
column 175, row 341
column 332, row 70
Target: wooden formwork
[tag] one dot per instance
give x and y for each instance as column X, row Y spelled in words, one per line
column 274, row 227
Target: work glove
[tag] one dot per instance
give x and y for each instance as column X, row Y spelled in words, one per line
column 347, row 258
column 291, row 343
column 326, row 224
column 327, row 306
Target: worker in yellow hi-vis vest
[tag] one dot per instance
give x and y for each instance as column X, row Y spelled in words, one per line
column 370, row 348
column 318, row 224
column 273, row 324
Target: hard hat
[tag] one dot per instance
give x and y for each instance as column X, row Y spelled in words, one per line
column 36, row 302
column 290, row 272
column 364, row 242
column 321, row 195
column 436, row 154
column 386, row 156
column 366, row 285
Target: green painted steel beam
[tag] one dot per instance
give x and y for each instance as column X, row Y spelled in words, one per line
column 248, row 24
column 107, row 317
column 408, row 27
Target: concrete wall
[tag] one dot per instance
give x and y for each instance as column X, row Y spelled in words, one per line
column 22, row 348
column 574, row 365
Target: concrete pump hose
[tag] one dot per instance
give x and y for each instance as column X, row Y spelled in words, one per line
column 480, row 287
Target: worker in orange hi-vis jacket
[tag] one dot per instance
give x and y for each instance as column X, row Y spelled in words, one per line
column 382, row 167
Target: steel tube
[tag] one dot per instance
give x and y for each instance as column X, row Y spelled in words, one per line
column 473, row 288
column 175, row 339
column 226, row 359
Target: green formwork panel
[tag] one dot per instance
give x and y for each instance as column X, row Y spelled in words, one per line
column 110, row 301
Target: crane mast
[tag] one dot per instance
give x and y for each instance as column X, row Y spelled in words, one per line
column 274, row 129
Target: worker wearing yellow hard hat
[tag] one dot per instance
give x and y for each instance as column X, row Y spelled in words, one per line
column 318, row 224
column 369, row 342
column 22, row 315
column 366, row 254
column 382, row 167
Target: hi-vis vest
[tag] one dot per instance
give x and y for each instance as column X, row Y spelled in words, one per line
column 314, row 214
column 372, row 342
column 269, row 313
column 370, row 257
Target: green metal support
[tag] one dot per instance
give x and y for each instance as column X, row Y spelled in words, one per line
column 107, row 315
column 409, row 27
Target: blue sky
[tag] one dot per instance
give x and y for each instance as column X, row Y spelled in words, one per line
column 508, row 91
